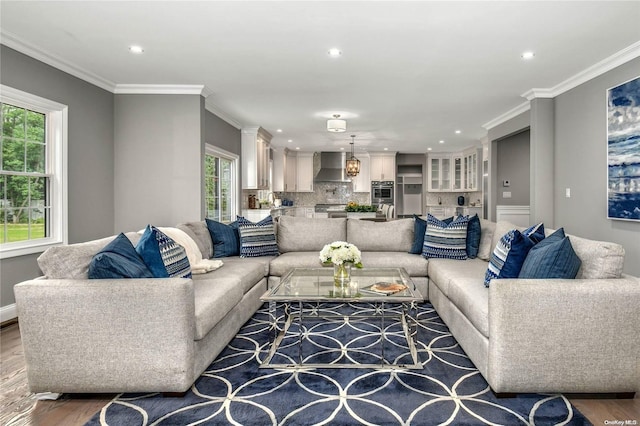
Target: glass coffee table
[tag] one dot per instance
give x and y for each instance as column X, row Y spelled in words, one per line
column 308, row 299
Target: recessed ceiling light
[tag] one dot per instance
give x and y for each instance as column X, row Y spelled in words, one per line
column 335, row 52
column 429, row 149
column 297, row 147
column 341, row 148
column 528, row 55
column 441, row 141
column 279, row 130
column 290, row 140
column 386, row 149
column 458, row 132
column 136, row 49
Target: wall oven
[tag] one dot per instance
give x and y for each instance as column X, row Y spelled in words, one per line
column 382, row 192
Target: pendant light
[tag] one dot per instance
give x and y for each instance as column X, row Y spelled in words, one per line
column 353, row 164
column 336, row 125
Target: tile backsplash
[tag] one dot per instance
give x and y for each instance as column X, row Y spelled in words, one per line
column 451, row 198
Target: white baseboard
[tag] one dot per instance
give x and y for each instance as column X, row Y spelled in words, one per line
column 8, row 312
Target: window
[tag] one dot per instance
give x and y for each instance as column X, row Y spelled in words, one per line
column 221, row 178
column 32, row 173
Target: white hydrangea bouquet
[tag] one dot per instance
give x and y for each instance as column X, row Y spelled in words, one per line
column 340, row 252
column 342, row 255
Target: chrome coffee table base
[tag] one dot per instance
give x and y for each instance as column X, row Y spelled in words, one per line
column 407, row 318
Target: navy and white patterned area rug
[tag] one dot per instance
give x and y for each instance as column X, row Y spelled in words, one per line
column 447, row 390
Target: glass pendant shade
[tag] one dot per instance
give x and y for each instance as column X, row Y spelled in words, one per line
column 336, row 125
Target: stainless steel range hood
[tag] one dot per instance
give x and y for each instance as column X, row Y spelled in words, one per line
column 332, row 167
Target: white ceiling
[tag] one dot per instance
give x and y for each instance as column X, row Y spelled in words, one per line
column 411, row 73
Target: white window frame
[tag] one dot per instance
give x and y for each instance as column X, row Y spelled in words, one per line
column 56, row 167
column 235, row 160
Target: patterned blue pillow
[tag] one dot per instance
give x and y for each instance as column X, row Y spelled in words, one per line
column 553, row 257
column 163, row 256
column 257, row 239
column 118, row 259
column 445, row 241
column 473, row 237
column 508, row 256
column 225, row 238
column 535, row 233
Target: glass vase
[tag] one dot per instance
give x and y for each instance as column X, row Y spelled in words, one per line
column 342, row 274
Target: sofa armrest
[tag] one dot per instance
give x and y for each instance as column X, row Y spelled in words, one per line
column 107, row 335
column 564, row 335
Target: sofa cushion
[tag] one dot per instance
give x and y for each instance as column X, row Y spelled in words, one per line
column 414, row 264
column 501, row 228
column 446, row 241
column 215, row 294
column 487, row 230
column 118, row 259
column 163, row 256
column 508, row 256
column 263, row 261
column 257, row 239
column 600, row 259
column 305, row 234
column 419, row 228
column 225, row 238
column 72, row 261
column 394, row 235
column 474, row 233
column 553, row 257
column 294, row 259
column 199, row 232
column 461, row 282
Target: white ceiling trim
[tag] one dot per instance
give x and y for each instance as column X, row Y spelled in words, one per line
column 16, row 43
column 215, row 110
column 514, row 112
column 159, row 89
column 625, row 55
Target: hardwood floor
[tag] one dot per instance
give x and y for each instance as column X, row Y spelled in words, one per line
column 18, row 408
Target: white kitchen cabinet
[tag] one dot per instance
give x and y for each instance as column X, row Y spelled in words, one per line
column 441, row 212
column 472, row 169
column 278, row 170
column 383, row 166
column 362, row 182
column 459, row 171
column 290, row 172
column 255, row 149
column 439, row 173
column 304, row 178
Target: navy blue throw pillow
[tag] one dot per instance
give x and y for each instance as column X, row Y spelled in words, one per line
column 419, row 227
column 118, row 259
column 225, row 238
column 473, row 237
column 552, row 257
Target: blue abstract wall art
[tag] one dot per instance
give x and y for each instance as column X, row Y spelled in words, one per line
column 623, row 141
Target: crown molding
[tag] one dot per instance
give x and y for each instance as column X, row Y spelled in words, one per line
column 514, row 112
column 22, row 46
column 214, row 109
column 159, row 89
column 621, row 57
column 538, row 93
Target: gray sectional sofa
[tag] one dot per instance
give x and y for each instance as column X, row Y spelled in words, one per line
column 147, row 335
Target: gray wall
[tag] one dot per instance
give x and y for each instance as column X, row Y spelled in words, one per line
column 221, row 134
column 90, row 158
column 581, row 164
column 513, row 165
column 158, row 140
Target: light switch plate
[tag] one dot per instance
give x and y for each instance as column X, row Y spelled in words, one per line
column 506, row 194
column 567, row 192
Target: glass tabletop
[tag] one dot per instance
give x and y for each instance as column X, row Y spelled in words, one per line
column 316, row 284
